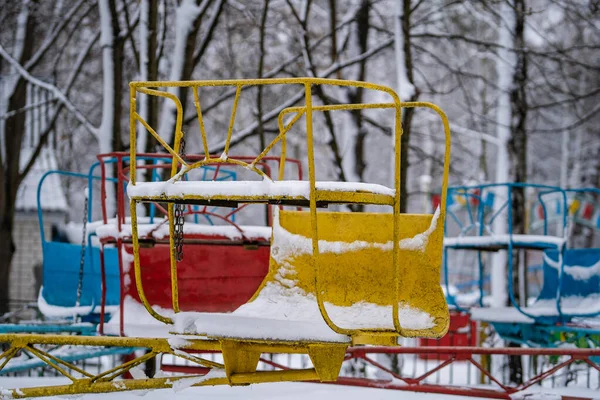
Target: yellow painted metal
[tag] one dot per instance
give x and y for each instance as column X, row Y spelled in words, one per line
column 400, row 270
column 378, row 339
column 241, row 358
column 238, row 359
column 363, row 272
column 327, row 359
column 136, row 261
column 386, row 272
column 323, row 196
column 236, row 100
column 201, row 122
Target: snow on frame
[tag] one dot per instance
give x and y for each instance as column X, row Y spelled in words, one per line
column 571, row 305
column 286, row 244
column 264, row 188
column 503, row 239
column 160, row 229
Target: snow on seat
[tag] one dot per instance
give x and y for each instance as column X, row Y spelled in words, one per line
column 579, row 291
column 160, row 230
column 296, row 192
column 541, row 309
column 497, row 242
column 355, row 260
column 581, row 278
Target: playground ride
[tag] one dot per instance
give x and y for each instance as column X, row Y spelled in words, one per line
column 568, row 302
column 234, row 258
column 72, row 265
column 328, row 284
column 82, row 281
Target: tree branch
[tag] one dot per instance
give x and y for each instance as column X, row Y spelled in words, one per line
column 271, row 73
column 250, row 130
column 32, row 62
column 128, row 33
column 60, row 96
column 212, row 24
column 52, row 120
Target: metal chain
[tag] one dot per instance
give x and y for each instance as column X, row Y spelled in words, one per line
column 83, row 246
column 179, row 217
column 179, row 220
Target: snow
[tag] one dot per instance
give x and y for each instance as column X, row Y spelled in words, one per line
column 268, row 391
column 185, row 383
column 265, row 188
column 284, row 311
column 73, row 230
column 504, row 240
column 277, row 301
column 405, row 88
column 160, row 229
column 577, row 272
column 286, row 243
column 52, row 311
column 138, row 322
column 273, row 315
column 571, row 305
column 280, row 391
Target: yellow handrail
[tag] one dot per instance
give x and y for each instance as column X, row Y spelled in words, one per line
column 307, row 111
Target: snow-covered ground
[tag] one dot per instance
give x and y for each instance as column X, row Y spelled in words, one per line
column 287, row 391
column 272, row 391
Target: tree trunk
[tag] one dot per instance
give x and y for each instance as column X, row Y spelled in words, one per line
column 10, row 178
column 182, row 63
column 148, row 72
column 517, row 149
column 117, row 65
column 408, row 89
column 356, row 96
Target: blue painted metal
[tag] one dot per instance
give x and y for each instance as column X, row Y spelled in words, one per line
column 61, row 275
column 61, row 260
column 566, row 272
column 542, row 335
column 583, row 282
column 82, row 329
column 481, row 217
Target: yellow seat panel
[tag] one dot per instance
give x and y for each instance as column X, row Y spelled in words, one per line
column 355, row 260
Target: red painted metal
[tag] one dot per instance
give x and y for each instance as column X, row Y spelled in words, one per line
column 464, row 354
column 453, row 354
column 103, row 299
column 461, row 333
column 212, row 278
column 185, row 369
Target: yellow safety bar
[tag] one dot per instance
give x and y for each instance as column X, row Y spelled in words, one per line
column 149, row 88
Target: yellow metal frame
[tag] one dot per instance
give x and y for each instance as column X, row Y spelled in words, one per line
column 315, row 195
column 241, row 359
column 240, row 355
